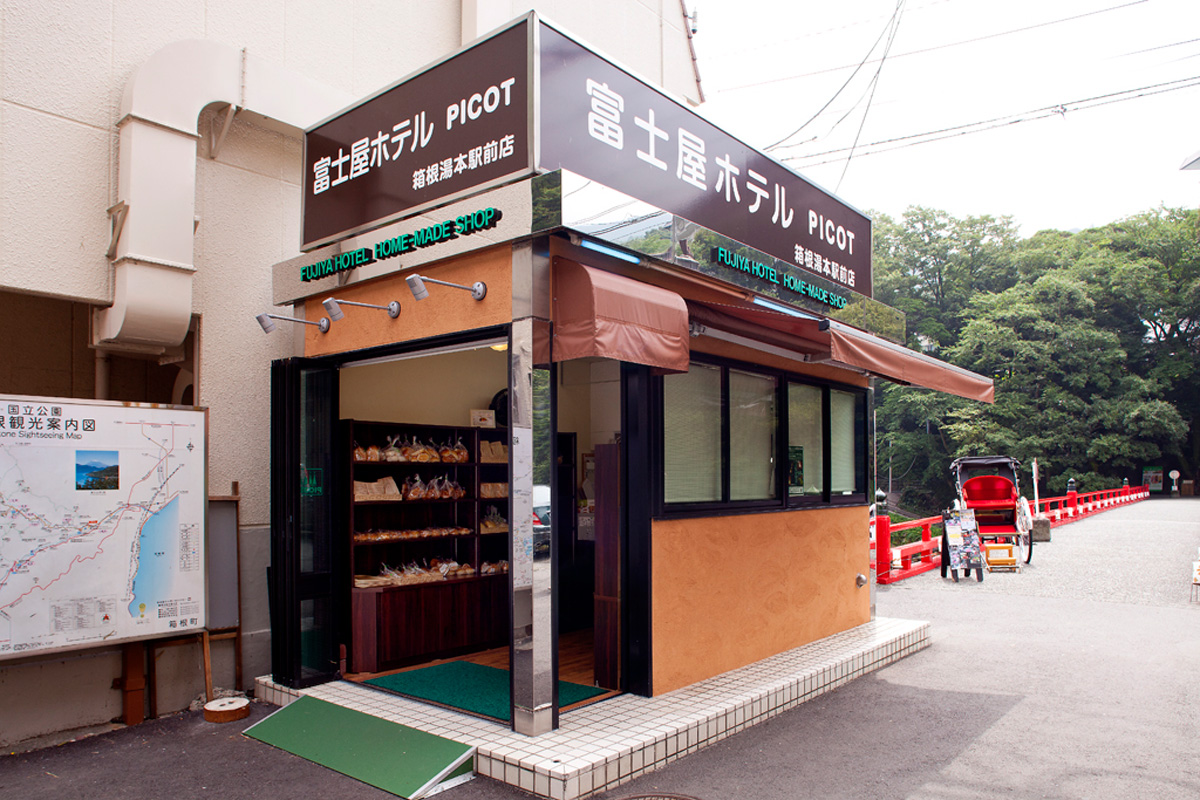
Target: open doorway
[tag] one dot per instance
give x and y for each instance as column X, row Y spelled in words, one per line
column 402, row 616
column 588, row 540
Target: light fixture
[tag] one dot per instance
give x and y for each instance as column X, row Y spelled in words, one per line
column 417, row 283
column 334, row 307
column 781, row 308
column 696, row 329
column 268, row 326
column 609, row 251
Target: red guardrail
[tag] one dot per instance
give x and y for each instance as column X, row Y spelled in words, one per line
column 1077, row 505
column 892, row 564
column 926, row 550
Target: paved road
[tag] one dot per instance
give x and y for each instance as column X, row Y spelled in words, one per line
column 1078, row 678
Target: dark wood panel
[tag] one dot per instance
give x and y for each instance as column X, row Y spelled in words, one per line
column 606, row 637
column 607, row 599
column 365, row 622
column 428, row 621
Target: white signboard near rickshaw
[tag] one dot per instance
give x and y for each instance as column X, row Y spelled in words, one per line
column 102, row 523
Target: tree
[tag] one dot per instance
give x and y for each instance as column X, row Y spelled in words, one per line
column 1093, row 339
column 1065, row 392
column 931, row 264
column 1145, row 271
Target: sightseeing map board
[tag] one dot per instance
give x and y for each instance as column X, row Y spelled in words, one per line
column 102, row 523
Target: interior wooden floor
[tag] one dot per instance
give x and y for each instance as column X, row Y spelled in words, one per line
column 575, row 663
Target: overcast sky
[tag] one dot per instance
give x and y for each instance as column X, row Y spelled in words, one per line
column 768, row 66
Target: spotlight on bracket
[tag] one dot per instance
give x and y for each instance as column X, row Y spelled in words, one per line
column 268, row 325
column 417, row 283
column 334, row 307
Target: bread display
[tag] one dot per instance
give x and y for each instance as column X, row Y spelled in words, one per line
column 378, row 537
column 439, row 569
column 493, row 522
column 492, row 452
column 418, row 513
column 376, row 491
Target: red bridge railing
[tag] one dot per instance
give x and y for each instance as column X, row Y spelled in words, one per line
column 893, row 564
column 910, row 559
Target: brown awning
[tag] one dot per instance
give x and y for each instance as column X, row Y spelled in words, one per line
column 599, row 314
column 889, row 360
column 816, row 340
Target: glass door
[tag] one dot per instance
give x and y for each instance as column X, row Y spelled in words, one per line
column 306, row 558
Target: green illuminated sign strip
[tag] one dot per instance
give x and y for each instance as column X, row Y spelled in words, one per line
column 768, row 274
column 437, row 233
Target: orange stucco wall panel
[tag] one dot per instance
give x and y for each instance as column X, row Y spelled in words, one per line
column 446, row 310
column 729, row 591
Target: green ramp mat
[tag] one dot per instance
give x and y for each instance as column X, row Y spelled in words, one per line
column 470, row 687
column 389, row 756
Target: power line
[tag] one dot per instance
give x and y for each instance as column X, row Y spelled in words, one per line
column 792, row 42
column 1161, row 47
column 861, row 64
column 926, row 137
column 937, row 47
column 874, row 85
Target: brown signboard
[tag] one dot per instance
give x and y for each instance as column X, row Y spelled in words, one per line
column 604, row 124
column 445, row 133
column 464, row 125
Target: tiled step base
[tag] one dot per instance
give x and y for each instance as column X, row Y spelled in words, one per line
column 606, row 744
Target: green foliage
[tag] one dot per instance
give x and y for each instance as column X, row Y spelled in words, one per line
column 1093, row 340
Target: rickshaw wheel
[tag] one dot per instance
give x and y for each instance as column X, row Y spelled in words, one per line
column 945, row 554
column 1028, row 547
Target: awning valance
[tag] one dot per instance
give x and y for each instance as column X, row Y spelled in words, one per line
column 816, row 340
column 898, row 363
column 599, row 314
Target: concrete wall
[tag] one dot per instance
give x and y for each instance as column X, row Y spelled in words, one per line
column 63, row 70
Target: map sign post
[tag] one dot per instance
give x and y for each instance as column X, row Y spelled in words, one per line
column 102, row 523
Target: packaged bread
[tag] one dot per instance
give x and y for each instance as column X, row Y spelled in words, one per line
column 493, row 522
column 425, row 453
column 414, row 488
column 493, row 490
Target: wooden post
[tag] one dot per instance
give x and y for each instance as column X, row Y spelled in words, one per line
column 208, row 686
column 133, row 683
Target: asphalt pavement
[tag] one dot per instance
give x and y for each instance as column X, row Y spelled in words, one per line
column 1077, row 678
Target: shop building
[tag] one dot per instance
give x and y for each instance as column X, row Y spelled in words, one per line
column 151, row 172
column 594, row 304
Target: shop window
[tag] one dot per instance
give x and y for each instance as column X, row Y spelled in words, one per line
column 846, row 413
column 692, row 435
column 733, row 435
column 806, row 441
column 753, row 420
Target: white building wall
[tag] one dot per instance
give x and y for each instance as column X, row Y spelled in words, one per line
column 64, row 67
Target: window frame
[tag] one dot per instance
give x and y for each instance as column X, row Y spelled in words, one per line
column 782, row 500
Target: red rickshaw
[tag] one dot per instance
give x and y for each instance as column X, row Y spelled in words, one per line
column 990, row 486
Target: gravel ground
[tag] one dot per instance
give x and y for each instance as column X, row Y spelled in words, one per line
column 1078, row 678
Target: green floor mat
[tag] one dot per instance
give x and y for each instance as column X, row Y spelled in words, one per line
column 398, row 759
column 469, row 687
